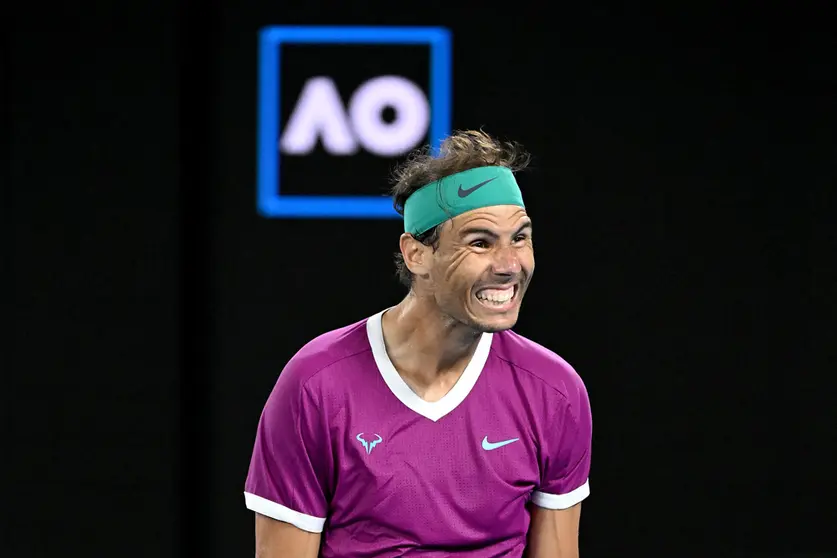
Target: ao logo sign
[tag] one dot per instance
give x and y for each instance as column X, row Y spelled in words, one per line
column 319, row 116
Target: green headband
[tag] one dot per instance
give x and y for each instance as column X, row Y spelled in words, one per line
column 453, row 195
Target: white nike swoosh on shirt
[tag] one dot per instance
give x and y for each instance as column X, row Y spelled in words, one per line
column 486, row 445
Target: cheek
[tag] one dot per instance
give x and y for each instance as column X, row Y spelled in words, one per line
column 526, row 257
column 457, row 267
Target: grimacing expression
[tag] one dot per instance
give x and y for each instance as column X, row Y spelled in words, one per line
column 483, row 266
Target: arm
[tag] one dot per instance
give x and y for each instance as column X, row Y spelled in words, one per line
column 288, row 482
column 277, row 539
column 554, row 533
column 565, row 468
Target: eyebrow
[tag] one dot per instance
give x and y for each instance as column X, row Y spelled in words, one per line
column 492, row 234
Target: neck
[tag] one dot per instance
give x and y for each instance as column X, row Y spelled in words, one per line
column 425, row 345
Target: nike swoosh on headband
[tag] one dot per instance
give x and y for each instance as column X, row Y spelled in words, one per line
column 472, row 189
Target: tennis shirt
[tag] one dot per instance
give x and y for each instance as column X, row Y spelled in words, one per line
column 345, row 448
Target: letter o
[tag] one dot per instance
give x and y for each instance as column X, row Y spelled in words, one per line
column 412, row 115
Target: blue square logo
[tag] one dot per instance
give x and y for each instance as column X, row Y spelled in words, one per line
column 271, row 201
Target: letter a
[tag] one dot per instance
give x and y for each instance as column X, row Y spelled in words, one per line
column 319, row 113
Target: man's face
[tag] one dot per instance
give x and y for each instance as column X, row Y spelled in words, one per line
column 483, row 266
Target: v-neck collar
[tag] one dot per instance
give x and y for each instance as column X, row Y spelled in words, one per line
column 437, row 409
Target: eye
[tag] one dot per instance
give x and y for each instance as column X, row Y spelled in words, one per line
column 521, row 238
column 479, row 244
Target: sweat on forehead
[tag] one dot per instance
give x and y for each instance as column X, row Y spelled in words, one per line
column 494, row 220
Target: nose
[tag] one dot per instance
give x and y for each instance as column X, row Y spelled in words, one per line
column 506, row 261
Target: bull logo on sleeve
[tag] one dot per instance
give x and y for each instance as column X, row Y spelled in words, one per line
column 369, row 445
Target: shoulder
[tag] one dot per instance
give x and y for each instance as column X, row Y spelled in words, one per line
column 325, row 352
column 542, row 366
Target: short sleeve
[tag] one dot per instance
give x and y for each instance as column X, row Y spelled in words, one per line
column 289, row 467
column 565, row 453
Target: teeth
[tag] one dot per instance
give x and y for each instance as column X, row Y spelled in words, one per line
column 498, row 296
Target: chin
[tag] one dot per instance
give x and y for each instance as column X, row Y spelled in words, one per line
column 497, row 323
column 494, row 328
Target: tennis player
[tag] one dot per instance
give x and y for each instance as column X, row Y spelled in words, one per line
column 430, row 428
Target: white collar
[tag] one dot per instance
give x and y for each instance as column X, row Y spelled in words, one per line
column 435, row 410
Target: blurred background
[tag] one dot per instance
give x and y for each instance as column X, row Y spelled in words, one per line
column 683, row 195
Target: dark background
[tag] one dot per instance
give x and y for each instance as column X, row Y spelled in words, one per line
column 683, row 193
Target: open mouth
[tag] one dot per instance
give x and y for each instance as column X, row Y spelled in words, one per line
column 498, row 298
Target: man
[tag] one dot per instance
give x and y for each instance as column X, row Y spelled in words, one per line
column 430, row 428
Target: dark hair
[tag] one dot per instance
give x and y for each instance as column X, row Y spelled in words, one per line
column 464, row 150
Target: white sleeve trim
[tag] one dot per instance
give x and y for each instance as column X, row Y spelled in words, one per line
column 561, row 501
column 281, row 513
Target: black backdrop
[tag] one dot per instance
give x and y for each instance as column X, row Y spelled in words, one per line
column 683, row 191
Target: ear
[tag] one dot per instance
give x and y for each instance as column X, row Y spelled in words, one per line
column 416, row 255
